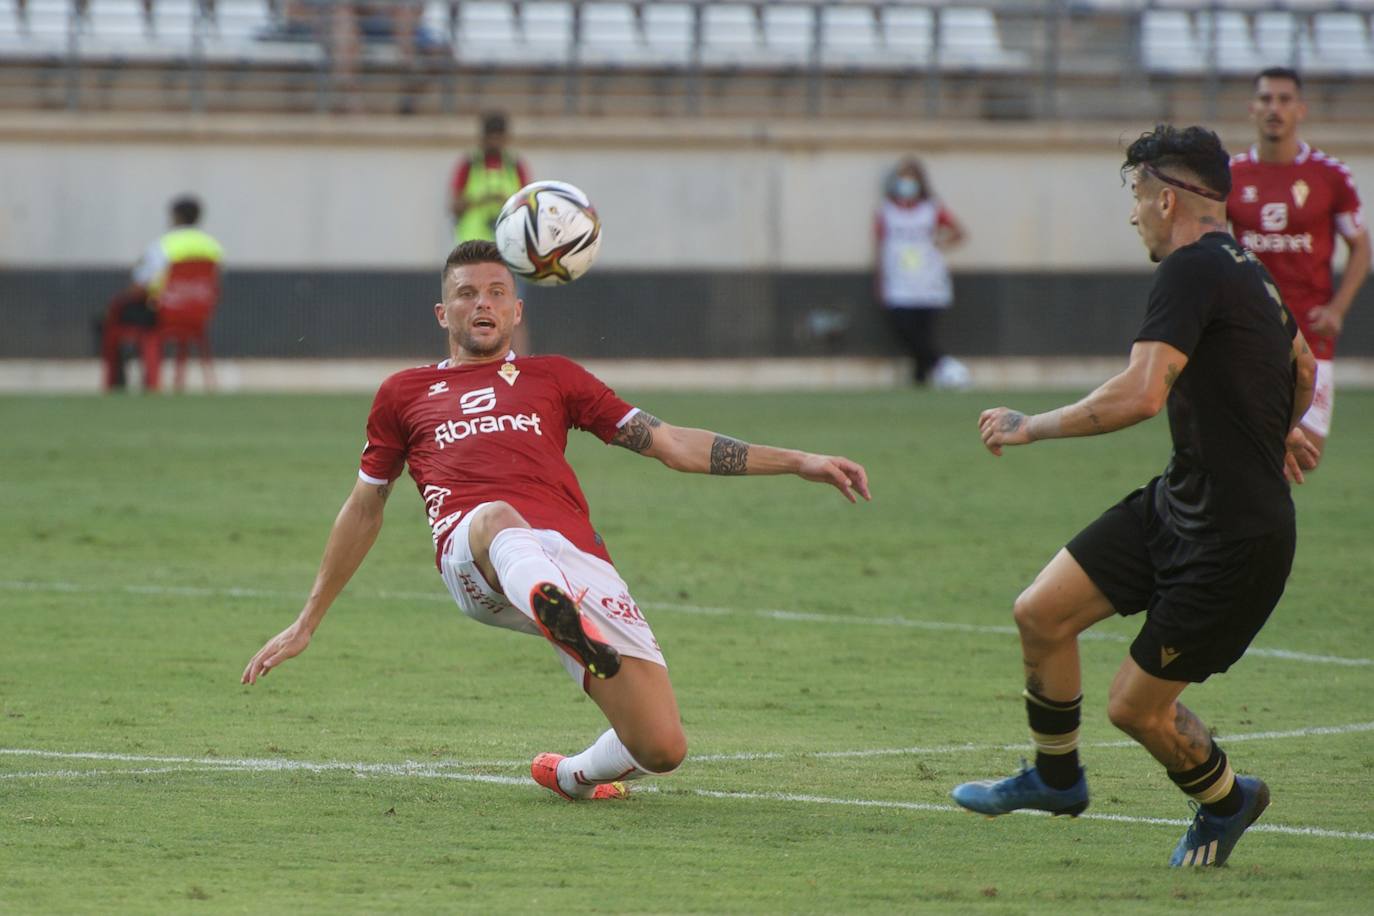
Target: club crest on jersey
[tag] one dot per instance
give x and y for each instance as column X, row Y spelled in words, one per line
column 438, row 388
column 480, row 401
column 1249, row 194
column 509, row 373
column 1300, row 192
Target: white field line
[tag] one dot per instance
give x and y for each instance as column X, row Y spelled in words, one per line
column 925, row 806
column 766, row 613
column 419, row 771
column 980, row 748
column 443, row 766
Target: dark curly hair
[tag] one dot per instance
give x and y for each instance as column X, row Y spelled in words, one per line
column 1194, row 150
column 473, row 251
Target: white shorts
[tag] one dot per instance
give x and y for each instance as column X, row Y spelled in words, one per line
column 1318, row 416
column 607, row 601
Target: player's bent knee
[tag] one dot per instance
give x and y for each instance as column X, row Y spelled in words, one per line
column 494, row 518
column 1032, row 616
column 661, row 753
column 1130, row 717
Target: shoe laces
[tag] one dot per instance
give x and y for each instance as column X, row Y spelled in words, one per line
column 1195, row 827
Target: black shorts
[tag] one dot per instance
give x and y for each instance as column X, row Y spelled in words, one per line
column 1204, row 600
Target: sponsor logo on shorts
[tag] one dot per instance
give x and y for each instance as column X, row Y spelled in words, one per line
column 1167, row 655
column 623, row 608
column 1277, row 241
column 478, row 596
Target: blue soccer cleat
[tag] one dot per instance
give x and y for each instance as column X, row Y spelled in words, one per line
column 1210, row 839
column 1024, row 790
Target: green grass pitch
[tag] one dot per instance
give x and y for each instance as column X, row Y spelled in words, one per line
column 839, row 668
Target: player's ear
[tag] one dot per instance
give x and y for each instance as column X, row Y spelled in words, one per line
column 441, row 314
column 1167, row 200
column 519, row 310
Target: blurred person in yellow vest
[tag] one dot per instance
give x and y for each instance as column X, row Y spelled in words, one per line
column 136, row 305
column 482, row 181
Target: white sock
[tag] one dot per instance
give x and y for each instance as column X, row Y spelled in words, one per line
column 521, row 564
column 607, row 760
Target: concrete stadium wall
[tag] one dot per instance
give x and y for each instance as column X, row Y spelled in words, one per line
column 723, row 239
column 341, row 194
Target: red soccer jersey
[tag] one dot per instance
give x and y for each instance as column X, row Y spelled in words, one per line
column 472, row 434
column 1289, row 216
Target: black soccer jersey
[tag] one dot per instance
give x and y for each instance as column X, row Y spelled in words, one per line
column 1230, row 409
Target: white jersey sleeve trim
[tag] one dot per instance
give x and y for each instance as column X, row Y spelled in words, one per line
column 1350, row 225
column 368, row 478
column 627, row 418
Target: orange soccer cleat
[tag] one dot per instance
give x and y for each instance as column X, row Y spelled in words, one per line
column 544, row 769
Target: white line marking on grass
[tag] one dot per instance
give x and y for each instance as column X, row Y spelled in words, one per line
column 978, row 748
column 422, row 771
column 82, row 774
column 947, row 626
column 767, row 614
column 926, row 806
column 271, row 764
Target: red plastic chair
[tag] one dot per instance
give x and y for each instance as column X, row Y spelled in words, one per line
column 184, row 310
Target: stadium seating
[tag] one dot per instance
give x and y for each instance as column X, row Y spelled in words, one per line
column 672, row 41
column 969, row 40
column 730, row 35
column 789, row 33
column 611, row 36
column 668, row 32
column 849, row 37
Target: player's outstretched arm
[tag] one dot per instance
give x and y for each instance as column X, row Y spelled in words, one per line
column 1137, row 393
column 355, row 531
column 700, row 451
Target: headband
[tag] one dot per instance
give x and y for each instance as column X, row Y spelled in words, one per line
column 1180, row 183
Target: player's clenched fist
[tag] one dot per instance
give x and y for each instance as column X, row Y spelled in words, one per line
column 1003, row 426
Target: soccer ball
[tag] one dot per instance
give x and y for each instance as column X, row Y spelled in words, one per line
column 548, row 233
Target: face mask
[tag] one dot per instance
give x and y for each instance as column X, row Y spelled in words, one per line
column 906, row 188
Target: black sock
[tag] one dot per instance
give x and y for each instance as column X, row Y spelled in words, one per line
column 1054, row 729
column 1213, row 784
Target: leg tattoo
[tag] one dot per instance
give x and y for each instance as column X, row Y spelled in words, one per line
column 1194, row 741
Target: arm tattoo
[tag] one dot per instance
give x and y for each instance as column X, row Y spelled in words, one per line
column 638, row 432
column 1095, row 420
column 1011, row 421
column 729, row 456
column 1171, row 375
column 384, row 491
